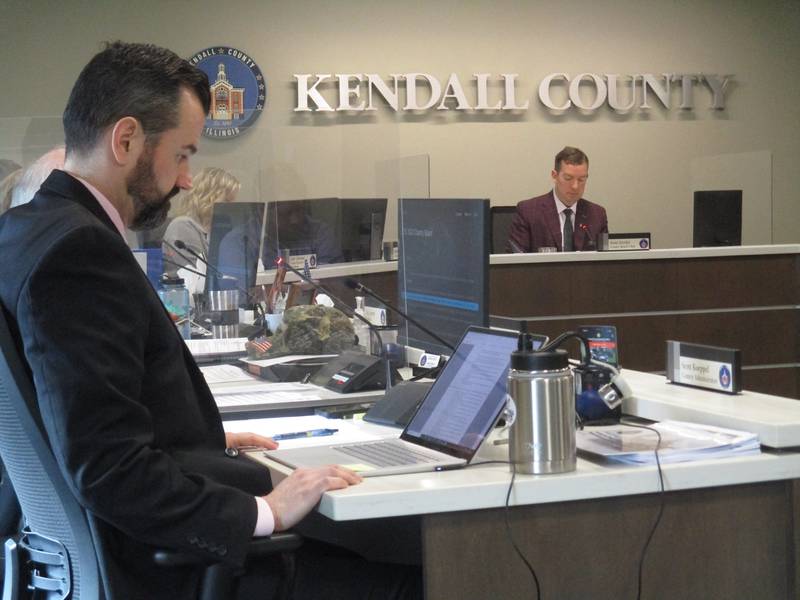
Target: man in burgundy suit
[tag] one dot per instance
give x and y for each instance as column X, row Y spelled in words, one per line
column 562, row 218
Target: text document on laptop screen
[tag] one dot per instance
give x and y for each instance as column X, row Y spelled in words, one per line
column 460, row 414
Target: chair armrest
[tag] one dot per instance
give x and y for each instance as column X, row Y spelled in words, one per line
column 260, row 546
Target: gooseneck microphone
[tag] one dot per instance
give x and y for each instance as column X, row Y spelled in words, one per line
column 589, row 242
column 360, row 287
column 281, row 263
column 182, row 246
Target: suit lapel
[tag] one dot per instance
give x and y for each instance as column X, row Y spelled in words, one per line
column 552, row 220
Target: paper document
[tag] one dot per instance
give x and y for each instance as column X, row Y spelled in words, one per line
column 268, row 362
column 679, row 442
column 225, row 374
column 266, row 393
column 216, row 347
column 347, row 431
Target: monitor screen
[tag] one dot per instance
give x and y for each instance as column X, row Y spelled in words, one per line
column 233, row 245
column 717, row 218
column 324, row 230
column 443, row 269
column 362, row 225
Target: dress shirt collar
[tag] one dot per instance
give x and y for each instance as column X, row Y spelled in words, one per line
column 560, row 206
column 105, row 204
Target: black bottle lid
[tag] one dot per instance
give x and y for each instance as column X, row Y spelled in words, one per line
column 167, row 279
column 549, row 360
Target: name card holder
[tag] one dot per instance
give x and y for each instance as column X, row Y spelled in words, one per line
column 614, row 242
column 708, row 367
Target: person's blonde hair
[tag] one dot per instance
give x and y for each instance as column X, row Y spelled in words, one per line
column 210, row 185
column 7, row 186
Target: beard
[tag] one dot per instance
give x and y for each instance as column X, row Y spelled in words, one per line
column 150, row 206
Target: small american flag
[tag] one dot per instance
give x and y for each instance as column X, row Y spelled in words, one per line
column 261, row 345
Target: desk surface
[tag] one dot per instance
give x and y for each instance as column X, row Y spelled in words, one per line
column 485, row 485
column 775, row 419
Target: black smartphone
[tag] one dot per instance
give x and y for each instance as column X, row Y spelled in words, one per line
column 602, row 342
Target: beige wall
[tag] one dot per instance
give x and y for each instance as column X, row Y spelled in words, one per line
column 641, row 164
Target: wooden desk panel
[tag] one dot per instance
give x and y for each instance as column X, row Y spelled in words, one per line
column 746, row 302
column 719, row 543
column 650, row 301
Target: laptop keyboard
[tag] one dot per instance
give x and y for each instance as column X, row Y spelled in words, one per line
column 390, row 453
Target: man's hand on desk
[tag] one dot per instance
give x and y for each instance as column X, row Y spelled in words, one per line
column 249, row 440
column 294, row 497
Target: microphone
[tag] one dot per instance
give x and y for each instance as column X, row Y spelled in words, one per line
column 589, row 240
column 177, row 266
column 360, row 287
column 182, row 246
column 281, row 263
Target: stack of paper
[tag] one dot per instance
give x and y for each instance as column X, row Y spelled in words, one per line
column 217, row 348
column 679, row 442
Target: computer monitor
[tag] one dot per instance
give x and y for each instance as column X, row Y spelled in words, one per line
column 717, row 218
column 362, row 222
column 324, row 230
column 501, row 218
column 443, row 268
column 303, row 230
column 233, row 245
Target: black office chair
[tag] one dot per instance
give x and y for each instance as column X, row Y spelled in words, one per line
column 501, row 217
column 58, row 553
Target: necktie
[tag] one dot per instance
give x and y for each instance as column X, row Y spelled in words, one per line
column 568, row 245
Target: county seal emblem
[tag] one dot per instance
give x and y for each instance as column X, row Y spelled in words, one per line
column 238, row 90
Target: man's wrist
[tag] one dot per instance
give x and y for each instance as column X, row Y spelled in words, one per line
column 265, row 521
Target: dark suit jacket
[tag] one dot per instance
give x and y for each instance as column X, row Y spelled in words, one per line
column 128, row 414
column 536, row 225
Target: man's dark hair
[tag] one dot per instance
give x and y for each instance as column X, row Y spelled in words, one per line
column 129, row 80
column 571, row 156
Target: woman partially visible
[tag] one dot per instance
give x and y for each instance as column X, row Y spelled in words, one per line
column 7, row 185
column 193, row 221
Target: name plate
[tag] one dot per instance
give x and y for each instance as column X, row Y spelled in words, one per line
column 299, row 261
column 709, row 367
column 613, row 242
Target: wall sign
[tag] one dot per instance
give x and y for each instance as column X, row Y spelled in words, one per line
column 238, row 90
column 586, row 92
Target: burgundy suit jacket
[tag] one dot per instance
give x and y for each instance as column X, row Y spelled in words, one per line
column 536, row 225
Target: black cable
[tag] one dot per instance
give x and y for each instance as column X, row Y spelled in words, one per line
column 488, row 462
column 508, row 525
column 662, row 495
column 511, row 536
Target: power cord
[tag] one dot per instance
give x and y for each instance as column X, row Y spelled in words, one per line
column 656, row 523
column 662, row 495
column 508, row 523
column 511, row 536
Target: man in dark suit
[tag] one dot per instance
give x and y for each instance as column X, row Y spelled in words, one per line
column 126, row 410
column 562, row 218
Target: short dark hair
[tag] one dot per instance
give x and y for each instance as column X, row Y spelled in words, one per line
column 571, row 156
column 129, row 80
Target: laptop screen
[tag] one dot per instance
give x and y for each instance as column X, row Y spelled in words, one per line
column 468, row 396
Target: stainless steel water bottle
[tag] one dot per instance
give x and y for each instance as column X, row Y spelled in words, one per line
column 224, row 312
column 542, row 436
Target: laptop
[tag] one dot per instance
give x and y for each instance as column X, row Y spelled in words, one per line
column 450, row 424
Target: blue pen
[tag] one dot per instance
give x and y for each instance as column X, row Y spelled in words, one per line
column 302, row 434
